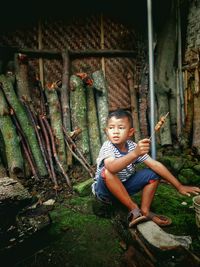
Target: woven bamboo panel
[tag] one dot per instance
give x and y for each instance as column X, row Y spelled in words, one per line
column 116, row 75
column 23, row 38
column 83, row 33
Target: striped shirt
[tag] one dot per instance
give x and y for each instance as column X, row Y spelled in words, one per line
column 110, row 150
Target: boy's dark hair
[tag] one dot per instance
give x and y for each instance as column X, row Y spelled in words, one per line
column 121, row 113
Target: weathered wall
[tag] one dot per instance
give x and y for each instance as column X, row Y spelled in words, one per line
column 84, row 33
column 193, row 31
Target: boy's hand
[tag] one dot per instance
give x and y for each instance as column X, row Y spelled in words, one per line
column 188, row 190
column 143, row 147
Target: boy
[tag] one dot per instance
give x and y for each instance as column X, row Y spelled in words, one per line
column 116, row 177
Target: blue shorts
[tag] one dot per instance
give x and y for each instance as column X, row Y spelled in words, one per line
column 134, row 184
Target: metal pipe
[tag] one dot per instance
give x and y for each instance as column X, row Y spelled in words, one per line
column 151, row 78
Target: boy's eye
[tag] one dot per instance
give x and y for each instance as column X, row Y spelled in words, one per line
column 121, row 128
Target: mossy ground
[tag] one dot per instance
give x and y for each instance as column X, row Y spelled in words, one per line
column 180, row 209
column 78, row 237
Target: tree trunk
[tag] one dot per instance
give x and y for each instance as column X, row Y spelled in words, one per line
column 79, row 114
column 102, row 101
column 196, row 124
column 11, row 140
column 56, row 124
column 66, row 117
column 134, row 107
column 165, row 79
column 22, row 77
column 93, row 127
column 25, row 123
column 143, row 103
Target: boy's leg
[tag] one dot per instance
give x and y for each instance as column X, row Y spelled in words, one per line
column 148, row 193
column 117, row 188
column 147, row 181
column 147, row 197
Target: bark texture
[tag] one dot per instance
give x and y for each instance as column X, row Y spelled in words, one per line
column 102, row 101
column 165, row 80
column 196, row 124
column 93, row 127
column 134, row 107
column 78, row 108
column 22, row 77
column 11, row 140
column 56, row 124
column 25, row 123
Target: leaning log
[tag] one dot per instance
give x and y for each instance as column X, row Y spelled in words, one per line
column 165, row 79
column 102, row 100
column 143, row 103
column 11, row 139
column 134, row 107
column 22, row 77
column 64, row 95
column 25, row 123
column 196, row 124
column 78, row 113
column 93, row 127
column 65, row 92
column 56, row 123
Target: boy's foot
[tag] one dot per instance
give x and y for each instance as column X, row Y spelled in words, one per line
column 160, row 220
column 135, row 216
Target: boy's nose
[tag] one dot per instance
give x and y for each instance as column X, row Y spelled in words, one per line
column 116, row 130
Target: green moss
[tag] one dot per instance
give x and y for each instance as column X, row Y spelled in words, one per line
column 79, row 238
column 179, row 208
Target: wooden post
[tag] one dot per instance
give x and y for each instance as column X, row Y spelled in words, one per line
column 134, row 107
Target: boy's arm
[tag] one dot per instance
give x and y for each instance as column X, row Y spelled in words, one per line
column 163, row 172
column 115, row 165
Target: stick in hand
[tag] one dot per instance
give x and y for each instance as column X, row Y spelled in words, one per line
column 159, row 124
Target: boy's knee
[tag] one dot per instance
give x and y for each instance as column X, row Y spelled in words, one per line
column 106, row 175
column 154, row 181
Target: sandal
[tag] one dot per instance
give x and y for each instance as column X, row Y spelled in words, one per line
column 165, row 220
column 135, row 216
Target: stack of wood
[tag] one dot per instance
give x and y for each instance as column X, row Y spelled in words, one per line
column 42, row 128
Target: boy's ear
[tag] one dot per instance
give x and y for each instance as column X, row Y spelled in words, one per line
column 131, row 132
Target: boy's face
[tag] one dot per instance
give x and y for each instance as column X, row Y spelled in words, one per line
column 119, row 130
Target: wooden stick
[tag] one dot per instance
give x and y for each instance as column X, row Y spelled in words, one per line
column 55, row 153
column 53, row 175
column 34, row 122
column 26, row 148
column 78, row 158
column 69, row 139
